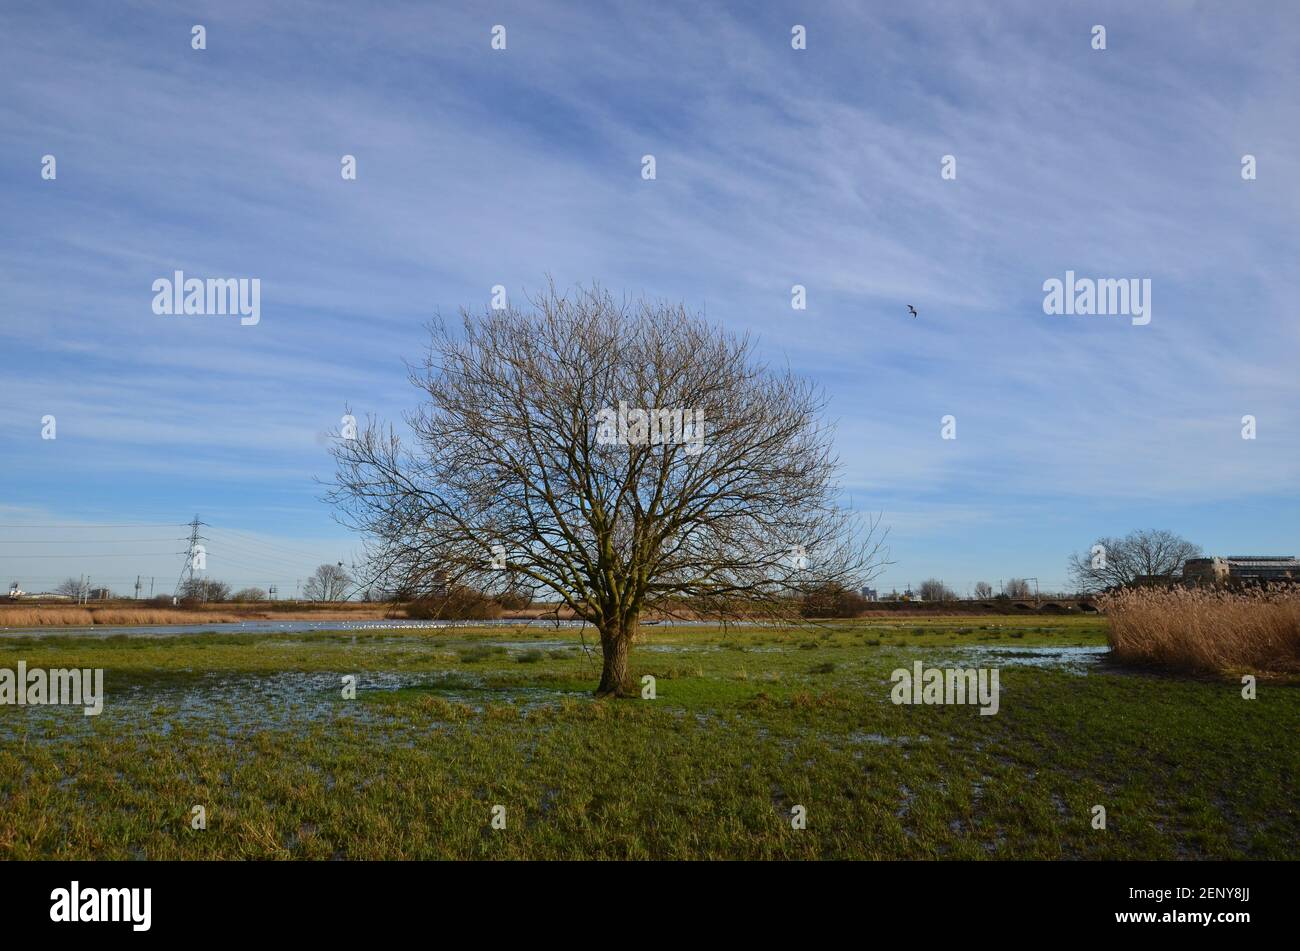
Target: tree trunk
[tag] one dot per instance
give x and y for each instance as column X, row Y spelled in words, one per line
column 615, row 680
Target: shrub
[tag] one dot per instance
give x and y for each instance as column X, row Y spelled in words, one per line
column 460, row 604
column 514, row 600
column 833, row 600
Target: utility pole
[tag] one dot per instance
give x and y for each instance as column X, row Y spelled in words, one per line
column 192, row 554
column 137, row 587
column 150, row 588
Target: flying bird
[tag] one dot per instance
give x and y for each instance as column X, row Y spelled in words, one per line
column 912, row 309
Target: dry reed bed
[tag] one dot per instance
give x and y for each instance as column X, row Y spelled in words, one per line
column 89, row 617
column 1207, row 630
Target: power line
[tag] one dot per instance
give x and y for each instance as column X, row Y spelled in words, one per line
column 254, row 541
column 259, row 579
column 261, row 562
column 234, row 551
column 102, row 554
column 95, row 525
column 80, row 541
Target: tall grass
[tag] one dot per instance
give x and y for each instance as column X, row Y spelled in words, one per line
column 1207, row 630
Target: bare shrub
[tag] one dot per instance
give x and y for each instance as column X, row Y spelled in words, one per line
column 1206, row 630
column 832, row 600
column 514, row 600
column 460, row 604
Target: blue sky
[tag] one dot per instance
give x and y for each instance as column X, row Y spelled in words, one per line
column 775, row 167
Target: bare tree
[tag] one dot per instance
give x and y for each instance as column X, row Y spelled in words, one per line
column 328, row 583
column 983, row 589
column 1016, row 588
column 932, row 589
column 204, row 589
column 1115, row 562
column 621, row 457
column 72, row 587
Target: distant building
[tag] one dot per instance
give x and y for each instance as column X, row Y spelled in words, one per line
column 1242, row 569
column 870, row 594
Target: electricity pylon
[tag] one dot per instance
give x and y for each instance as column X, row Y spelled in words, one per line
column 187, row 572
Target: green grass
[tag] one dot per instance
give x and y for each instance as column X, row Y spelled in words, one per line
column 746, row 724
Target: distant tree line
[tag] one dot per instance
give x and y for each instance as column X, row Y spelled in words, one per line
column 327, row 583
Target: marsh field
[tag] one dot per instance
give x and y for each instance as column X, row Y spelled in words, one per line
column 747, row 723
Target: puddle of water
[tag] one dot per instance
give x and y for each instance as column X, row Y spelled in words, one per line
column 231, row 705
column 678, row 648
column 307, row 627
column 1076, row 660
column 245, row 627
column 528, row 645
column 881, row 739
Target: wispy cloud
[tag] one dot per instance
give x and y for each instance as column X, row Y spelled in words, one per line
column 775, row 167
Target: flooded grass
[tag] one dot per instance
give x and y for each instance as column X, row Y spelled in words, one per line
column 747, row 723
